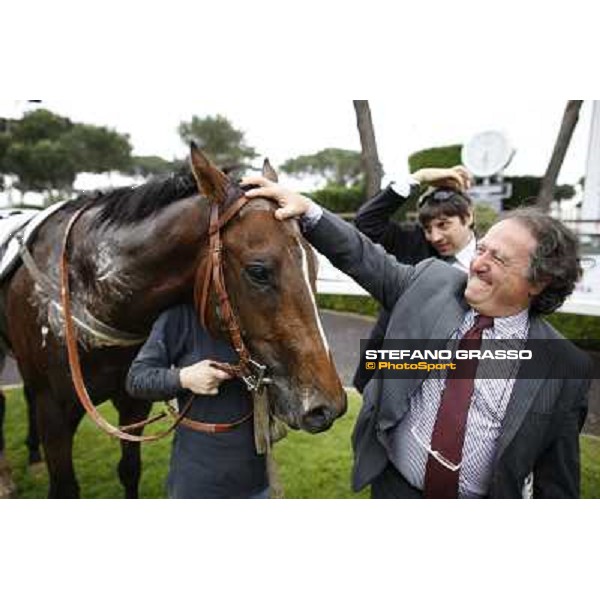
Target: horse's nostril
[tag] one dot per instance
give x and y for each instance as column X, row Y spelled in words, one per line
column 317, row 419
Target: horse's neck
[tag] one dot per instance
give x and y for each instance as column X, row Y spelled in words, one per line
column 142, row 268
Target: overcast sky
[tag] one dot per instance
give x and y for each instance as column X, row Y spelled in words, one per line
column 284, row 128
column 281, row 76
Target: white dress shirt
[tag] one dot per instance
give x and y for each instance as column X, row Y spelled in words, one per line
column 408, row 441
column 462, row 259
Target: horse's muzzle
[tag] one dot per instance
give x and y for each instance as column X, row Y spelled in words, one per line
column 317, row 420
column 320, row 414
column 305, row 407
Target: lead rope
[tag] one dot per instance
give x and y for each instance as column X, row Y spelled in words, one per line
column 267, row 431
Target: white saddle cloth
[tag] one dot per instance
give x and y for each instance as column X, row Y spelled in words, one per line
column 12, row 221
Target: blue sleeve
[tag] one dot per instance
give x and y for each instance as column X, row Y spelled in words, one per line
column 152, row 375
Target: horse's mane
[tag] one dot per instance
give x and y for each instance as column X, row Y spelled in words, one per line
column 127, row 205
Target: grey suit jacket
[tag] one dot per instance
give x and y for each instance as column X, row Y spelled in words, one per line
column 540, row 431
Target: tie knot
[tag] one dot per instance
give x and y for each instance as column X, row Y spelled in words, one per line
column 482, row 322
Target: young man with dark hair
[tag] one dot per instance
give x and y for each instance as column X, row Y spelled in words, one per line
column 444, row 231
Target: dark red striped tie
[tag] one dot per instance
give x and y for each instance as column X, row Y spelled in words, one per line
column 449, row 430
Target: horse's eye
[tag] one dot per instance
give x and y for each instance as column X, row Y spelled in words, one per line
column 259, row 274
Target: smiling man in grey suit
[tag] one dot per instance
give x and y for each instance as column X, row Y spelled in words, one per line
column 449, row 437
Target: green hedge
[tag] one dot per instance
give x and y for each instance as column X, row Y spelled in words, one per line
column 360, row 305
column 339, row 199
column 442, row 157
column 585, row 331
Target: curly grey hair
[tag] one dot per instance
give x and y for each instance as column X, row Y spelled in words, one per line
column 555, row 261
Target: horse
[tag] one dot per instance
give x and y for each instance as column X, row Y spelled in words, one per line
column 133, row 252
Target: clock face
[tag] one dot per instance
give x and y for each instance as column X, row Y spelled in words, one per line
column 487, row 154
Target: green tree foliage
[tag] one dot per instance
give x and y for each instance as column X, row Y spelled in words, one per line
column 98, row 149
column 45, row 151
column 44, row 165
column 341, row 168
column 219, row 139
column 39, row 125
column 564, row 192
column 442, row 157
column 4, row 144
column 526, row 189
column 147, row 166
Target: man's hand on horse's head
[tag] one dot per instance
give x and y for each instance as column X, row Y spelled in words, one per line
column 291, row 203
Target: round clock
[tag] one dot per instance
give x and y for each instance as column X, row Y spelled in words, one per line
column 487, row 153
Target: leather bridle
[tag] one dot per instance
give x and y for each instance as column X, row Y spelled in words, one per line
column 249, row 370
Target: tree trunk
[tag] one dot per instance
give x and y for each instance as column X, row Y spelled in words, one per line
column 370, row 157
column 565, row 134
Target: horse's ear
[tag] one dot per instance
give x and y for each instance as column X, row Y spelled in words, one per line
column 211, row 182
column 269, row 172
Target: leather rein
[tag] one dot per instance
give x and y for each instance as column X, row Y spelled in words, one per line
column 249, row 370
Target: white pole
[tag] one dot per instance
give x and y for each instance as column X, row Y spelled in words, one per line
column 590, row 209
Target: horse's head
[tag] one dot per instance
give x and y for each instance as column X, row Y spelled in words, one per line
column 270, row 274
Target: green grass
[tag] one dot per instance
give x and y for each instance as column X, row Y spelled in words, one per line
column 310, row 466
column 590, row 467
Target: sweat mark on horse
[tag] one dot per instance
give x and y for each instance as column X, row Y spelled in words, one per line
column 134, row 252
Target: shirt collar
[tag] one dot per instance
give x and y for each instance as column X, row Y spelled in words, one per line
column 464, row 257
column 513, row 327
column 505, row 328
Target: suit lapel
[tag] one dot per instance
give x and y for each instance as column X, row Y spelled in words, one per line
column 449, row 320
column 395, row 393
column 526, row 388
